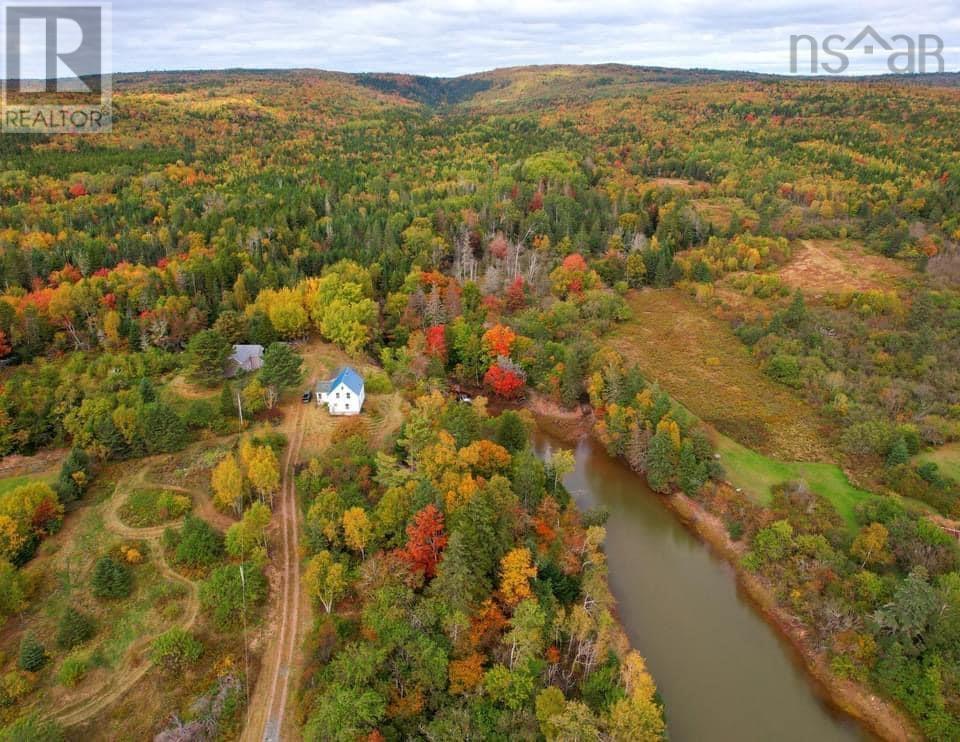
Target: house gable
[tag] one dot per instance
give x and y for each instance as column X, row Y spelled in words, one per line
column 343, row 394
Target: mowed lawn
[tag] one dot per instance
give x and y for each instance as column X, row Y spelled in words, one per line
column 11, row 483
column 947, row 458
column 757, row 475
column 698, row 360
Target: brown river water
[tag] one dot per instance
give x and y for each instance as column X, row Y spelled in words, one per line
column 723, row 672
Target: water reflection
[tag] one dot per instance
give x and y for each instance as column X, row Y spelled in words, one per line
column 722, row 671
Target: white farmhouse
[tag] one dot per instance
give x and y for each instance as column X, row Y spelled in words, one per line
column 343, row 394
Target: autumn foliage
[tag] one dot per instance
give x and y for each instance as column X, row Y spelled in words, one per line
column 426, row 540
column 503, row 382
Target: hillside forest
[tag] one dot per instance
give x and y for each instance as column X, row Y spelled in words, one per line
column 745, row 287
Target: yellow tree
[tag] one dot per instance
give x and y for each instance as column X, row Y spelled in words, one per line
column 325, row 579
column 227, row 483
column 516, row 571
column 11, row 540
column 870, row 545
column 637, row 717
column 562, row 462
column 357, row 529
column 263, row 469
column 247, row 539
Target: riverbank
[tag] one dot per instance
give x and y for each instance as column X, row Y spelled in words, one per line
column 876, row 715
column 879, row 717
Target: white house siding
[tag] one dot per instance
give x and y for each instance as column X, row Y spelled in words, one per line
column 342, row 401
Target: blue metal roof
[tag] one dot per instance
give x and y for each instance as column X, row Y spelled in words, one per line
column 346, row 376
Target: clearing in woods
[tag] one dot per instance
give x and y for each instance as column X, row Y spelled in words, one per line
column 946, row 457
column 757, row 475
column 697, row 359
column 821, row 267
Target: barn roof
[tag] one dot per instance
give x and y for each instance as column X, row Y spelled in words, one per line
column 244, row 358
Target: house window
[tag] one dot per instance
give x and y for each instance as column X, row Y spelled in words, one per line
column 338, row 395
column 348, row 395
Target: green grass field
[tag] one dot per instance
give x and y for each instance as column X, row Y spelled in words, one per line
column 757, row 475
column 11, row 483
column 947, row 458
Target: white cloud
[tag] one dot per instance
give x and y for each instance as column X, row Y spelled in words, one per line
column 453, row 37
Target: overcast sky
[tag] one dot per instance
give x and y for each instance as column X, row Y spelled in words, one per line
column 453, row 37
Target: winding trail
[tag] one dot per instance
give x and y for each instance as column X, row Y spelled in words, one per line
column 85, row 708
column 267, row 720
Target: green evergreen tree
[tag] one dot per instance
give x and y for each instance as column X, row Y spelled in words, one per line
column 75, row 628
column 207, row 353
column 899, row 453
column 282, row 368
column 111, row 578
column 660, row 467
column 260, row 330
column 74, row 476
column 163, row 430
column 199, row 544
column 511, row 432
column 32, row 654
column 692, row 473
column 228, row 402
column 147, row 391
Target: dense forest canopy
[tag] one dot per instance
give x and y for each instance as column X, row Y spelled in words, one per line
column 493, row 232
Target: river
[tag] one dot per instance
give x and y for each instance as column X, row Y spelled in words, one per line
column 723, row 672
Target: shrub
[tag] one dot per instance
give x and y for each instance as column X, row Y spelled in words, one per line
column 199, row 544
column 75, row 628
column 378, row 383
column 785, row 369
column 32, row 654
column 199, row 414
column 224, row 594
column 73, row 669
column 175, row 649
column 32, row 728
column 14, row 685
column 111, row 578
column 151, row 507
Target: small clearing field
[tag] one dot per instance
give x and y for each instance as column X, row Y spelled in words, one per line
column 832, row 266
column 698, row 360
column 719, row 211
column 382, row 413
column 680, row 184
column 946, row 457
column 757, row 475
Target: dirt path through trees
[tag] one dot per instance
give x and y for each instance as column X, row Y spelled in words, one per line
column 267, row 718
column 125, row 678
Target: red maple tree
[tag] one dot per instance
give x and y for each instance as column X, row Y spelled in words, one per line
column 426, row 539
column 503, row 382
column 516, row 299
column 436, row 341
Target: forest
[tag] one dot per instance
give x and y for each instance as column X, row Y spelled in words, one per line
column 500, row 236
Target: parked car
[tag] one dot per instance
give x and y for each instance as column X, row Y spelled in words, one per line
column 307, row 397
